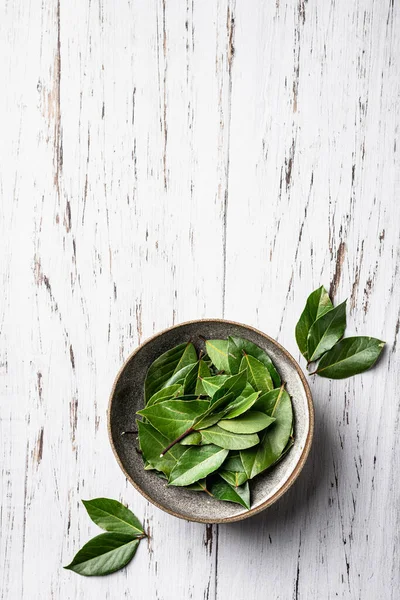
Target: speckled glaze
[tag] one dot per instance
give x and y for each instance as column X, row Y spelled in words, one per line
column 127, row 397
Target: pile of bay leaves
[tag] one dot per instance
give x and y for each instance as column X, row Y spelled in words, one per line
column 213, row 422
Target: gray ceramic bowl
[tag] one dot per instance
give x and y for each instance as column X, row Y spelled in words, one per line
column 127, row 397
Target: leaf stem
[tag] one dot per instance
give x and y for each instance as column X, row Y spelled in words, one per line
column 178, row 439
column 313, row 373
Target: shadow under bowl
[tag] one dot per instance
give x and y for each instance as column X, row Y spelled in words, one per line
column 127, row 397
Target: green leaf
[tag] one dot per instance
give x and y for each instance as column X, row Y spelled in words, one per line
column 226, row 439
column 147, row 465
column 273, row 441
column 219, row 404
column 160, row 475
column 251, row 422
column 189, row 357
column 230, row 390
column 217, row 350
column 209, row 418
column 113, row 516
column 246, row 392
column 163, row 368
column 167, row 393
column 196, row 463
column 203, row 372
column 241, row 405
column 152, row 443
column 193, row 439
column 174, row 417
column 189, row 382
column 235, row 356
column 221, row 490
column 245, row 346
column 286, row 449
column 104, row 554
column 326, row 331
column 193, row 383
column 234, row 478
column 233, row 462
column 179, row 377
column 187, row 397
column 198, row 486
column 349, row 357
column 211, row 385
column 318, row 303
column 257, row 373
column 266, row 402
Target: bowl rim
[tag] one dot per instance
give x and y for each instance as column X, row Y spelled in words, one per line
column 292, row 477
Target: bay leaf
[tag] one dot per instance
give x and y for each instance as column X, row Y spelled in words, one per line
column 326, row 331
column 234, row 478
column 104, row 554
column 273, row 440
column 217, row 350
column 187, row 397
column 245, row 346
column 286, row 449
column 162, row 369
column 203, row 372
column 198, row 486
column 233, row 462
column 212, row 384
column 349, row 357
column 147, row 465
column 193, row 439
column 221, row 490
column 251, row 422
column 113, row 516
column 166, row 393
column 196, row 463
column 160, row 475
column 230, row 390
column 246, row 391
column 220, row 403
column 209, row 418
column 266, row 402
column 228, row 440
column 173, row 417
column 179, row 376
column 152, row 443
column 318, row 303
column 235, row 356
column 257, row 373
column 189, row 383
column 241, row 405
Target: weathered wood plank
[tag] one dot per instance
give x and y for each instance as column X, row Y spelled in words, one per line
column 165, row 161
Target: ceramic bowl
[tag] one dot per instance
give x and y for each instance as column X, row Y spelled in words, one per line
column 127, row 397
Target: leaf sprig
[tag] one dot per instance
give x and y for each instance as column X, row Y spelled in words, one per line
column 213, row 422
column 108, row 552
column 319, row 333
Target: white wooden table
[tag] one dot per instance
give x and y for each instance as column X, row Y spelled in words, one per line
column 163, row 161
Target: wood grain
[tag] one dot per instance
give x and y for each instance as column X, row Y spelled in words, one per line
column 162, row 161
